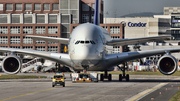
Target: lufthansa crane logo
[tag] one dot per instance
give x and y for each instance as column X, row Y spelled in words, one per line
column 65, row 49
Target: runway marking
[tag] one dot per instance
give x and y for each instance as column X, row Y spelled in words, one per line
column 144, row 93
column 33, row 93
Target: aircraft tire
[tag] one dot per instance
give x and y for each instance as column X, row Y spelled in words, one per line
column 101, row 77
column 109, row 77
column 120, row 77
column 127, row 77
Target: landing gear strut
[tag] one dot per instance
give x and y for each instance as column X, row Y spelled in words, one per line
column 109, row 77
column 124, row 76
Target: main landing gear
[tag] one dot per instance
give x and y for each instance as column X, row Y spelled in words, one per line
column 121, row 76
column 124, row 76
column 105, row 75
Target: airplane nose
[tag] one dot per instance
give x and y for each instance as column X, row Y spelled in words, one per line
column 83, row 53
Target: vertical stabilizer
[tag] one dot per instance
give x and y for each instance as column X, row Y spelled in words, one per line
column 96, row 14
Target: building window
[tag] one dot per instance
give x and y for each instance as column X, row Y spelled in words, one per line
column 40, row 30
column 3, row 18
column 27, row 40
column 40, row 18
column 27, row 18
column 27, row 30
column 92, row 7
column 15, row 40
column 27, row 47
column 18, row 6
column 116, row 49
column 37, row 7
column 3, row 40
column 40, row 42
column 52, row 30
column 15, row 30
column 85, row 7
column 15, row 47
column 115, row 37
column 3, row 30
column 9, row 7
column 114, row 29
column 28, row 6
column 104, row 27
column 55, row 6
column 53, row 18
column 85, row 18
column 15, row 18
column 46, row 6
column 92, row 18
column 53, row 49
column 40, row 48
column 1, row 7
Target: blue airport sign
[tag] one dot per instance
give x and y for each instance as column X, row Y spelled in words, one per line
column 130, row 24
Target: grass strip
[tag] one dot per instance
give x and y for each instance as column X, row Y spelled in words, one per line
column 2, row 77
column 176, row 97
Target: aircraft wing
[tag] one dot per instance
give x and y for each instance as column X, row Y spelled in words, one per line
column 51, row 39
column 58, row 57
column 121, row 42
column 115, row 59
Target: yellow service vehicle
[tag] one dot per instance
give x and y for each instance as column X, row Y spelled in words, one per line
column 84, row 77
column 58, row 79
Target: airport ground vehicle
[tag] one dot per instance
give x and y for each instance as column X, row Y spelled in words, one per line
column 58, row 79
column 84, row 77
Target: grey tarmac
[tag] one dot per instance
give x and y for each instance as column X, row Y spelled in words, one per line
column 41, row 90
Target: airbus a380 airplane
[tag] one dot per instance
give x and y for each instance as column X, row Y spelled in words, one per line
column 87, row 46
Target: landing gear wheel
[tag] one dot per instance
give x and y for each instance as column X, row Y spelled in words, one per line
column 120, row 77
column 101, row 77
column 127, row 77
column 52, row 85
column 64, row 85
column 109, row 77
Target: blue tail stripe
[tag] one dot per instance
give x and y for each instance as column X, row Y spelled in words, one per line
column 96, row 16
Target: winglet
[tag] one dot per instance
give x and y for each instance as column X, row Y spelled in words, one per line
column 96, row 14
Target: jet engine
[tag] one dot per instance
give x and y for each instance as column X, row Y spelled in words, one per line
column 167, row 64
column 11, row 64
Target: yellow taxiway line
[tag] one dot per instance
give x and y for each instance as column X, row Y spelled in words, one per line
column 31, row 93
column 146, row 92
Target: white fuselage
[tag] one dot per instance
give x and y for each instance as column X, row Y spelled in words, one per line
column 86, row 47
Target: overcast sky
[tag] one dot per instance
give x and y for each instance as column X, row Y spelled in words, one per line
column 126, row 7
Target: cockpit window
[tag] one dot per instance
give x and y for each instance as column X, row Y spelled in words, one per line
column 85, row 42
column 82, row 41
column 92, row 42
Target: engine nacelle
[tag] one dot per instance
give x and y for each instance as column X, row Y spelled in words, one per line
column 167, row 64
column 11, row 64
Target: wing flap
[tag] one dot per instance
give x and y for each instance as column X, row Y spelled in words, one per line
column 51, row 39
column 122, row 42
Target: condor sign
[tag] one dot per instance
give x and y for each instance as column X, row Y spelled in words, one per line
column 130, row 24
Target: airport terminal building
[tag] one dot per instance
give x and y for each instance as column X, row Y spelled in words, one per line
column 51, row 18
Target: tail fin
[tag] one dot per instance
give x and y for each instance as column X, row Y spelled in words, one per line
column 96, row 13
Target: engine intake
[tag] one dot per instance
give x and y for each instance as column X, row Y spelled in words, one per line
column 167, row 64
column 11, row 64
